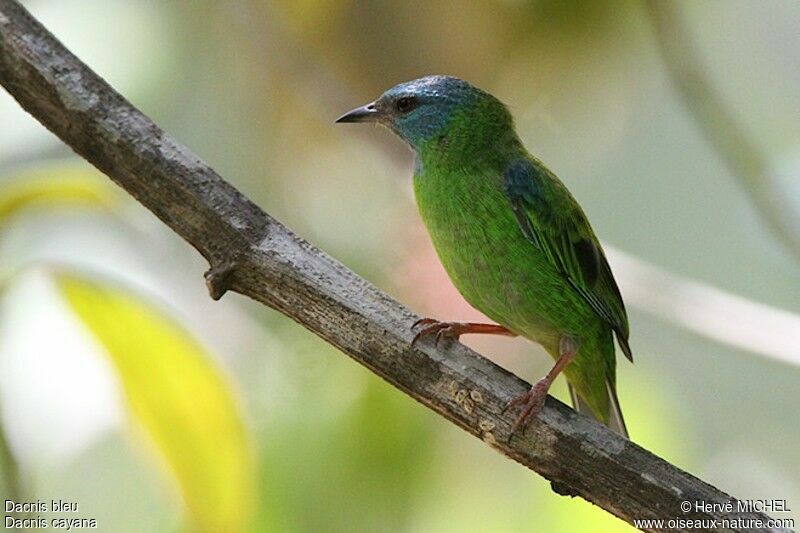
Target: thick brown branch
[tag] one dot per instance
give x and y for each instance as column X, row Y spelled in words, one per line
column 253, row 254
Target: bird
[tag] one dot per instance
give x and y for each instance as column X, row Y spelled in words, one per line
column 512, row 239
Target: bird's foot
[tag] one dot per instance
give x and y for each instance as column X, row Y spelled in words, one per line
column 453, row 330
column 430, row 326
column 531, row 402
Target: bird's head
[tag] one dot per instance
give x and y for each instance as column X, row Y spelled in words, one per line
column 431, row 108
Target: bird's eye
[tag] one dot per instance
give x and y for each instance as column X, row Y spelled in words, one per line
column 405, row 104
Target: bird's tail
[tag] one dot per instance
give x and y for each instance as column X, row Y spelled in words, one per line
column 615, row 421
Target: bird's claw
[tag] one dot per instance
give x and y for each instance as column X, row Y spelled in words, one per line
column 532, row 402
column 442, row 330
column 423, row 322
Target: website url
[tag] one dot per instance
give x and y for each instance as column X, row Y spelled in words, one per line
column 713, row 523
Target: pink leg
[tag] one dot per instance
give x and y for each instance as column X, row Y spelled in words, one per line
column 533, row 400
column 453, row 330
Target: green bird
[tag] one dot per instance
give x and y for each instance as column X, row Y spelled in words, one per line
column 512, row 238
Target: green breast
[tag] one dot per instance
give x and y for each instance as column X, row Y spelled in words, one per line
column 493, row 265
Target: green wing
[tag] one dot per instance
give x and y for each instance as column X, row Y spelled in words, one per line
column 554, row 222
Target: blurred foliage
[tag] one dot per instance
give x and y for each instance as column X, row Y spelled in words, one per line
column 178, row 397
column 253, row 86
column 55, row 185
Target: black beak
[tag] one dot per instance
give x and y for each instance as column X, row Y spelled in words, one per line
column 365, row 113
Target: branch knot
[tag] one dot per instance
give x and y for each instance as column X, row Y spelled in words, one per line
column 218, row 279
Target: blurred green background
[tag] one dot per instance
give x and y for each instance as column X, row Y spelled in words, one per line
column 124, row 388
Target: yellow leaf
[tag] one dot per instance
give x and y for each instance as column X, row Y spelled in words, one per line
column 180, row 399
column 55, row 185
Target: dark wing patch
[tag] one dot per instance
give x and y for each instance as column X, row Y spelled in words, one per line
column 553, row 221
column 589, row 259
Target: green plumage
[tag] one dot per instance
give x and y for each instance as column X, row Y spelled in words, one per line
column 512, row 238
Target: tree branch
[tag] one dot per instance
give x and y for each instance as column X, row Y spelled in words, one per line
column 253, row 254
